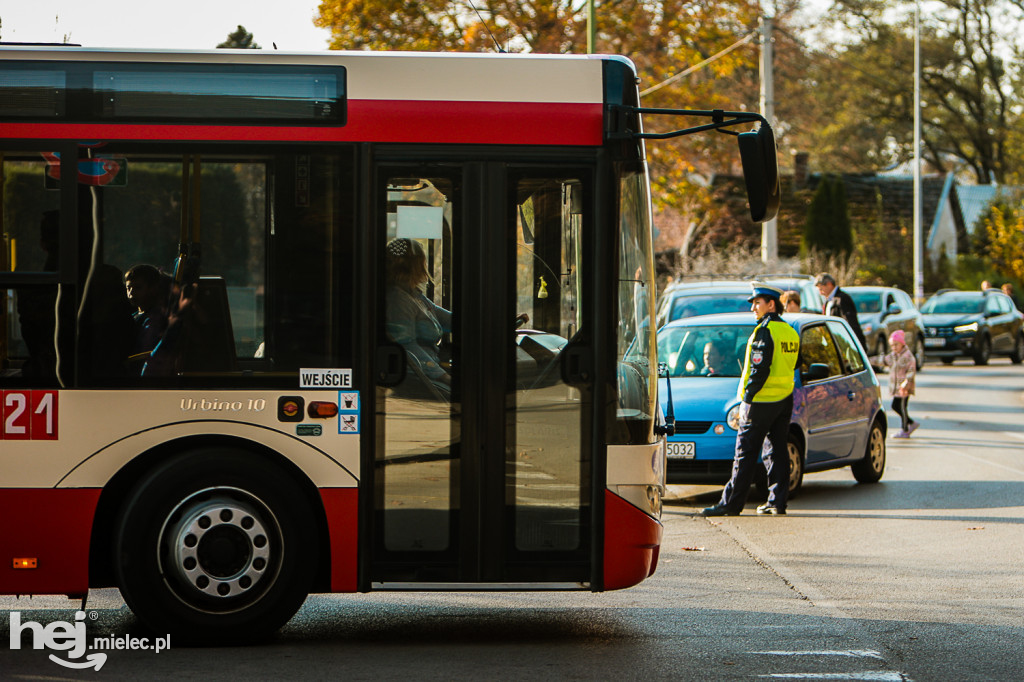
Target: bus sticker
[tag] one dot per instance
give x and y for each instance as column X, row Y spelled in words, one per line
column 28, row 415
column 325, row 378
column 348, row 423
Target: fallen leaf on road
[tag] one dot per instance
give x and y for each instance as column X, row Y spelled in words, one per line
column 977, row 528
column 693, row 549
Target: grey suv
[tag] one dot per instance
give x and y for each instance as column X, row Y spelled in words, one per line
column 883, row 310
column 974, row 324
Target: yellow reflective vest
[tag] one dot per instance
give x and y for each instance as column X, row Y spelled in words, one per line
column 770, row 360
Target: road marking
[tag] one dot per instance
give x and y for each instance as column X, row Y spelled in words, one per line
column 854, row 653
column 1014, row 434
column 871, row 675
column 1016, row 470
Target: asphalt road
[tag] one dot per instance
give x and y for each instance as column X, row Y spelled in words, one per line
column 917, row 577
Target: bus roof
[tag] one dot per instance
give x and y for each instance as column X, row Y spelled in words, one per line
column 465, row 97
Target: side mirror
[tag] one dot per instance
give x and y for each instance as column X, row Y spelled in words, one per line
column 894, row 310
column 760, row 172
column 815, row 372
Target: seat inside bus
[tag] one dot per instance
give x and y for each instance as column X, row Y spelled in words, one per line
column 209, row 342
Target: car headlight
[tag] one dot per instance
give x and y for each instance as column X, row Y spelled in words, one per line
column 972, row 327
column 867, row 327
column 733, row 418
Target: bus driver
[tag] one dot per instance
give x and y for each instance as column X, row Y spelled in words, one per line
column 413, row 320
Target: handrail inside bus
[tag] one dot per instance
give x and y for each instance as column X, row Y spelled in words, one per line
column 720, row 120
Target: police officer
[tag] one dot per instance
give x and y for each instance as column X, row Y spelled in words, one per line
column 766, row 391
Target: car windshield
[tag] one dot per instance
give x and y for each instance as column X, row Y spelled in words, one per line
column 709, row 304
column 866, row 301
column 704, row 350
column 960, row 305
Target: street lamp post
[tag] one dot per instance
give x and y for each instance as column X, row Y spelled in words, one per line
column 918, row 274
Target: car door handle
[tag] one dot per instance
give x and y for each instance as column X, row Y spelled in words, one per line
column 851, row 395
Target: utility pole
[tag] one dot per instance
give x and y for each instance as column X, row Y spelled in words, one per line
column 769, row 228
column 591, row 26
column 918, row 274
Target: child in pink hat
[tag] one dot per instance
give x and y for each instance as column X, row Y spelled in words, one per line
column 902, row 368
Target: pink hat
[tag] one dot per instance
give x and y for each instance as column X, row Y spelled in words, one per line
column 897, row 337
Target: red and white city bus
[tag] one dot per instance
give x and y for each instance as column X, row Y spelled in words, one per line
column 255, row 423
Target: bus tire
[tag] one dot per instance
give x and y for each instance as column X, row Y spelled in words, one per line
column 215, row 546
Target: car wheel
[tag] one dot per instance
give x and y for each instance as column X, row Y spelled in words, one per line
column 983, row 351
column 947, row 361
column 796, row 464
column 870, row 468
column 216, row 546
column 918, row 352
column 796, row 469
column 1017, row 356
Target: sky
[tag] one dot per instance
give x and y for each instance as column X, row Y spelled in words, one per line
column 173, row 24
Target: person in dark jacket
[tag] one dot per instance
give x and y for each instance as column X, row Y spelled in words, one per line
column 838, row 303
column 766, row 392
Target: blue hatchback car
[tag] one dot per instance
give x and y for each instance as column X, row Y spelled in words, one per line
column 838, row 417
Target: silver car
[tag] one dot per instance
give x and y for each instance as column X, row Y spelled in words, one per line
column 883, row 310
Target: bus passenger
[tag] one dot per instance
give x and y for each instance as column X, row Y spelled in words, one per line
column 413, row 320
column 148, row 291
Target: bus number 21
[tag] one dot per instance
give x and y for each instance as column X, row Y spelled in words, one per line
column 28, row 415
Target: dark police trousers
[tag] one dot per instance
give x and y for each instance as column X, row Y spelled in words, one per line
column 769, row 420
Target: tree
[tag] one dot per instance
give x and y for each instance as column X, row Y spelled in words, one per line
column 1004, row 228
column 240, row 39
column 662, row 37
column 970, row 85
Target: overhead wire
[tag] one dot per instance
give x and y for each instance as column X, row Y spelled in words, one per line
column 700, row 65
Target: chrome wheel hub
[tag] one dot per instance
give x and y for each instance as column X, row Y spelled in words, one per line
column 220, row 544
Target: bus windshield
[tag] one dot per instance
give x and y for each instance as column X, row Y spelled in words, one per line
column 636, row 346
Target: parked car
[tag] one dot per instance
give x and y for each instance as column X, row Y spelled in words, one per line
column 689, row 299
column 838, row 418
column 708, row 297
column 810, row 299
column 883, row 310
column 972, row 324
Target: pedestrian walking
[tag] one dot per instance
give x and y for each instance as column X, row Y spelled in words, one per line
column 766, row 392
column 838, row 303
column 902, row 368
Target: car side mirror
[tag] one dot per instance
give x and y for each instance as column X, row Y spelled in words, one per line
column 894, row 310
column 760, row 172
column 815, row 372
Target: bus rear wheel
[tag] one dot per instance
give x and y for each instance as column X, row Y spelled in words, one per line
column 215, row 547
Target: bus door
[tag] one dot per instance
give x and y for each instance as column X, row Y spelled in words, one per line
column 482, row 469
